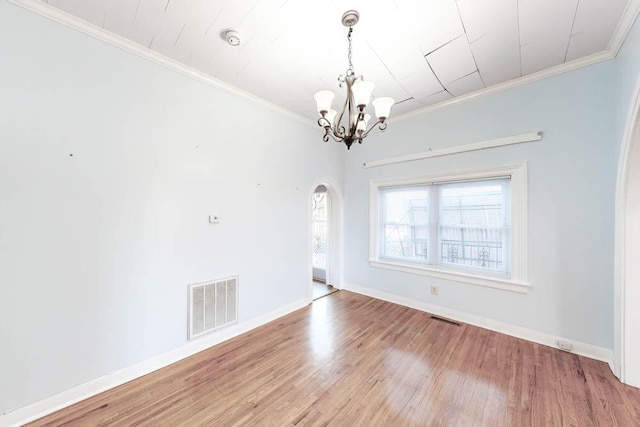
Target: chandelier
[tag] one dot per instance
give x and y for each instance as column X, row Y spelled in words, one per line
column 358, row 96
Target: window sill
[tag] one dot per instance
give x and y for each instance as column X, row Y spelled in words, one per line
column 456, row 276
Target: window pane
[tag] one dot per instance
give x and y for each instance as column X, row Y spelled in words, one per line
column 473, row 225
column 405, row 223
column 320, row 230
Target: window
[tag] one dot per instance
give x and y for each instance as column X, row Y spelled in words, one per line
column 405, row 223
column 473, row 231
column 468, row 226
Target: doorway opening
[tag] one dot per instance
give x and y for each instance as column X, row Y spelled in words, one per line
column 321, row 242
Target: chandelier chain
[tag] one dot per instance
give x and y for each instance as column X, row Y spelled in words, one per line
column 350, row 70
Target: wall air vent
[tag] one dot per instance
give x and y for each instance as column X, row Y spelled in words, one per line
column 212, row 305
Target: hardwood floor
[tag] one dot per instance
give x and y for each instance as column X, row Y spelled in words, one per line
column 321, row 289
column 352, row 360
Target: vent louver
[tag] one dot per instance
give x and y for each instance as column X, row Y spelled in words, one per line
column 444, row 319
column 212, row 305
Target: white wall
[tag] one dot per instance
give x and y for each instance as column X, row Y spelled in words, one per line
column 632, row 268
column 571, row 201
column 97, row 249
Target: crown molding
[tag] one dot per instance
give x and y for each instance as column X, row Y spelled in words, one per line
column 627, row 19
column 625, row 23
column 510, row 84
column 129, row 46
column 624, row 26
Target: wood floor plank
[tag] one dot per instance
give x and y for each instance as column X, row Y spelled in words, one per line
column 352, row 360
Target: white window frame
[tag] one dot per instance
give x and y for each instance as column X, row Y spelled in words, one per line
column 516, row 281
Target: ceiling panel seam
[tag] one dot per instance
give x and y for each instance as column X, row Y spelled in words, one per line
column 444, row 44
column 213, row 55
column 437, row 78
column 206, row 33
column 180, row 35
column 622, row 28
column 244, row 18
column 384, row 65
column 470, row 50
column 575, row 13
column 473, row 55
column 405, row 100
column 519, row 35
column 460, row 78
column 135, row 15
column 510, row 84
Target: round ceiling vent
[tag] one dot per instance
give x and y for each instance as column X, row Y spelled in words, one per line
column 232, row 37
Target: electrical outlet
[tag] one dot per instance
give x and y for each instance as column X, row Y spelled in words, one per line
column 434, row 290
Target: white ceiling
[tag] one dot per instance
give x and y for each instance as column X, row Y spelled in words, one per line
column 420, row 52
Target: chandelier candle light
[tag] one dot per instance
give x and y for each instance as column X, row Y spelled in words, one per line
column 358, row 97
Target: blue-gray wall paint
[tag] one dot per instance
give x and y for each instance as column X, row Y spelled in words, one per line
column 572, row 175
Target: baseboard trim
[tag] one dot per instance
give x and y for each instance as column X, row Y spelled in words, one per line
column 582, row 349
column 73, row 395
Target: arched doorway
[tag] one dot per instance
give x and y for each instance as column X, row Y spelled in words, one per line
column 627, row 283
column 320, row 227
column 325, row 239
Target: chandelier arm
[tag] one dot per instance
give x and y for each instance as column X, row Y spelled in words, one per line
column 364, row 135
column 323, row 122
column 352, row 124
column 344, row 107
column 326, row 136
